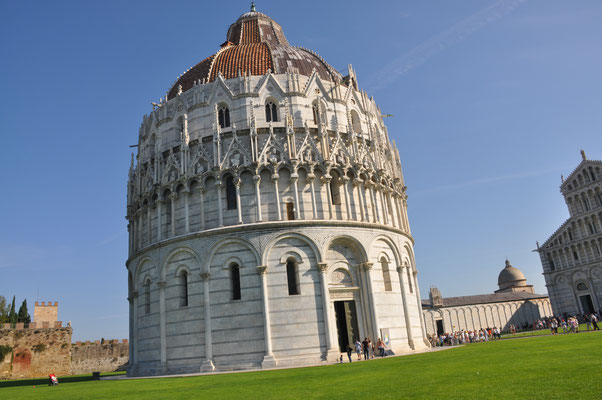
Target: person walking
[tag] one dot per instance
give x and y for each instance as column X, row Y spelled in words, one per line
column 349, row 351
column 594, row 319
column 366, row 347
column 358, row 349
column 381, row 347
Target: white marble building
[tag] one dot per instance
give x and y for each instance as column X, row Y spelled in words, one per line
column 513, row 303
column 267, row 215
column 571, row 257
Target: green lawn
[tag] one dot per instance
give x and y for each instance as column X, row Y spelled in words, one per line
column 539, row 332
column 548, row 367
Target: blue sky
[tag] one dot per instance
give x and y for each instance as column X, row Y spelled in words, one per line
column 492, row 101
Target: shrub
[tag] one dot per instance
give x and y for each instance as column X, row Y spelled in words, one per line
column 38, row 348
column 4, row 350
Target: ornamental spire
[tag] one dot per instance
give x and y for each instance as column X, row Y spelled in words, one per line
column 252, row 6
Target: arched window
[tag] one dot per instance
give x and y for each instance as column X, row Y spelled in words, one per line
column 291, row 277
column 551, row 262
column 271, row 112
column 316, row 110
column 355, row 122
column 335, row 192
column 581, row 287
column 147, row 299
column 386, row 274
column 183, row 277
column 230, row 193
column 235, row 275
column 290, row 210
column 585, row 202
column 224, row 117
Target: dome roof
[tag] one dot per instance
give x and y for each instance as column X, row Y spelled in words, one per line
column 255, row 44
column 510, row 275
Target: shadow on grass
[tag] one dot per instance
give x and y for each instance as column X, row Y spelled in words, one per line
column 62, row 380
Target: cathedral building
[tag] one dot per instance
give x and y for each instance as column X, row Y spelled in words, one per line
column 267, row 215
column 514, row 303
column 571, row 257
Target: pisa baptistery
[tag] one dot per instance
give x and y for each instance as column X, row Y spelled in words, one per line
column 267, row 216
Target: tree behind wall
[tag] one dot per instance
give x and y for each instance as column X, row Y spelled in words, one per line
column 3, row 310
column 12, row 315
column 23, row 315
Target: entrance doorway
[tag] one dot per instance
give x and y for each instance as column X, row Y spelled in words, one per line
column 439, row 327
column 586, row 304
column 347, row 329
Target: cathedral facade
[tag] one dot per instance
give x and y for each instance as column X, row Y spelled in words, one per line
column 571, row 257
column 267, row 216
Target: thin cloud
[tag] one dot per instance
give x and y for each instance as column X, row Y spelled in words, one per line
column 458, row 32
column 488, row 180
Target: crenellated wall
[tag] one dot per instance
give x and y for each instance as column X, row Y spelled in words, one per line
column 35, row 351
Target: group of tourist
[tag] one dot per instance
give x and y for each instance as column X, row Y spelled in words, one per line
column 568, row 324
column 465, row 336
column 367, row 348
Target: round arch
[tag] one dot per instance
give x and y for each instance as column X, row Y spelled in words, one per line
column 216, row 246
column 179, row 249
column 303, row 238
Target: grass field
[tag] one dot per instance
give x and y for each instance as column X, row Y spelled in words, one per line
column 548, row 367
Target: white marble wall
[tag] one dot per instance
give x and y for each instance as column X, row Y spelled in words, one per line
column 172, row 338
column 481, row 316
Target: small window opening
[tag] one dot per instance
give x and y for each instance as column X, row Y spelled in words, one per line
column 224, row 117
column 271, row 112
column 335, row 192
column 575, row 256
column 581, row 287
column 290, row 211
column 291, row 276
column 230, row 193
column 147, row 297
column 316, row 110
column 386, row 274
column 551, row 262
column 183, row 289
column 235, row 272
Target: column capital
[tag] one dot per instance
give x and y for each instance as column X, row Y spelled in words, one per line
column 262, row 269
column 257, row 179
column 367, row 265
column 218, row 184
column 311, row 177
column 237, row 182
column 205, row 276
column 357, row 182
column 345, row 178
column 162, row 284
column 173, row 196
column 323, row 267
column 132, row 295
column 275, row 177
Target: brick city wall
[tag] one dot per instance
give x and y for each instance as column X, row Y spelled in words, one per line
column 43, row 348
column 107, row 356
column 36, row 351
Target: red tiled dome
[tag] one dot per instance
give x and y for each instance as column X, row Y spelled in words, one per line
column 255, row 44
